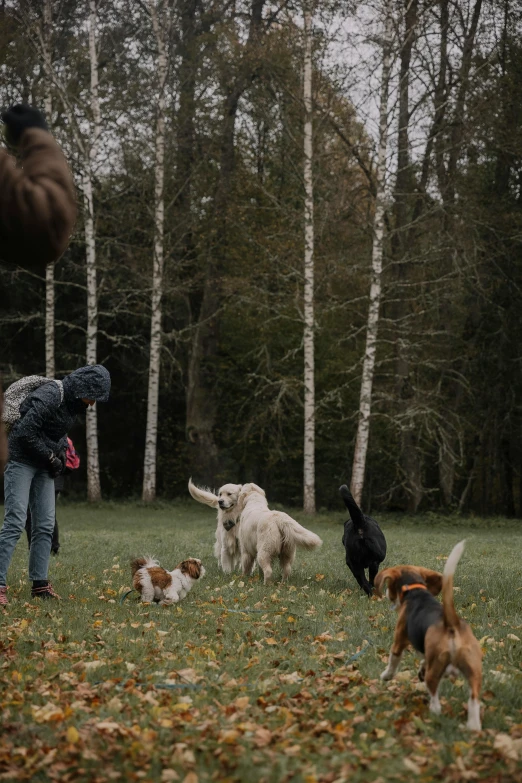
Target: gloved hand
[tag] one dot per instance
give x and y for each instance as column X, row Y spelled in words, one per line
column 20, row 117
column 56, row 466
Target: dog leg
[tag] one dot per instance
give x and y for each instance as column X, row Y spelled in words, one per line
column 435, row 667
column 468, row 661
column 373, row 570
column 474, row 723
column 362, row 581
column 247, row 563
column 475, row 682
column 147, row 595
column 227, row 562
column 394, row 662
column 400, row 642
column 435, row 707
column 286, row 559
column 265, row 564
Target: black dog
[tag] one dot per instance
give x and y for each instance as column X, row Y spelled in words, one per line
column 364, row 542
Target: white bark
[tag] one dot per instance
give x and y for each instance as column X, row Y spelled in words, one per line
column 50, row 367
column 308, row 338
column 365, row 400
column 151, row 434
column 93, row 464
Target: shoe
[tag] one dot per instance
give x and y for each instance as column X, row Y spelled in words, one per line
column 3, row 596
column 44, row 592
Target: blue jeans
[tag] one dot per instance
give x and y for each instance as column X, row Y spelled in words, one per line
column 25, row 485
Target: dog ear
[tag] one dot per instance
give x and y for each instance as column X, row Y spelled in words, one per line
column 390, row 575
column 245, row 489
column 257, row 489
column 191, row 567
column 432, row 578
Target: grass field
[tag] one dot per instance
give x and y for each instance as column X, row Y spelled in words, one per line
column 243, row 682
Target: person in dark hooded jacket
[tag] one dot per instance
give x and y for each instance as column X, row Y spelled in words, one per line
column 37, row 445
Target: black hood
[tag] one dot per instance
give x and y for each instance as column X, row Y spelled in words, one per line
column 92, row 383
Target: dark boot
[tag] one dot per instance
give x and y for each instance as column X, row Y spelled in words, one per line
column 43, row 589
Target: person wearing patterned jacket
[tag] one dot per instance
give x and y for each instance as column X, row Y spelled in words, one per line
column 37, row 445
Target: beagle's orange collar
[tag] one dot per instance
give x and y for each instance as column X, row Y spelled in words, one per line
column 407, row 588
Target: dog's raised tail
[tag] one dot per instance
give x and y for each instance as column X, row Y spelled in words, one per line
column 293, row 531
column 451, row 619
column 203, row 495
column 356, row 514
column 143, row 562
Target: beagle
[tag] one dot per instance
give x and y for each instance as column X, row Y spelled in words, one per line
column 434, row 629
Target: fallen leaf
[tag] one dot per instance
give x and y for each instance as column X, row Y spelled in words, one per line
column 229, row 737
column 412, row 766
column 49, row 712
column 263, row 737
column 72, row 735
column 188, row 675
column 108, row 725
column 168, row 775
column 291, row 678
column 509, row 747
column 270, row 640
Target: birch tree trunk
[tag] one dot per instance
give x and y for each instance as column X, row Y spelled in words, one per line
column 308, row 338
column 49, row 270
column 201, row 399
column 93, row 463
column 365, row 400
column 151, row 436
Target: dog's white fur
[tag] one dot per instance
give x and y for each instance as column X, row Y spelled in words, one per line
column 266, row 534
column 226, row 548
column 180, row 583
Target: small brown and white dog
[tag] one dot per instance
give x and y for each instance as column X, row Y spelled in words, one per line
column 226, row 548
column 435, row 630
column 161, row 586
column 265, row 534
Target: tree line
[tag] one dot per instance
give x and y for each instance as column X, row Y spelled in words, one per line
column 298, row 244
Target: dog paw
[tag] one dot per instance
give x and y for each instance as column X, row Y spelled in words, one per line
column 435, row 707
column 387, row 675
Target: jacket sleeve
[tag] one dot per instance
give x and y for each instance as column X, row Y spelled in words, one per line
column 29, row 430
column 37, row 202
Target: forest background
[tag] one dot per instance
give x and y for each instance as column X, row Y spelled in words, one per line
column 184, row 124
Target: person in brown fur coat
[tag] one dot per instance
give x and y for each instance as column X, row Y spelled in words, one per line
column 37, row 199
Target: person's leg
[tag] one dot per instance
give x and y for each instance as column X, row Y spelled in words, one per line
column 55, row 545
column 41, row 501
column 17, row 485
column 28, row 527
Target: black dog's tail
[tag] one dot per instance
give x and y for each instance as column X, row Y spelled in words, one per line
column 355, row 512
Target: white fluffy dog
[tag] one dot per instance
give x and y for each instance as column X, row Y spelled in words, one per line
column 155, row 583
column 226, row 548
column 266, row 534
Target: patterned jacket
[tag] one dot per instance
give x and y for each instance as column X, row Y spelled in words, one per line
column 45, row 418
